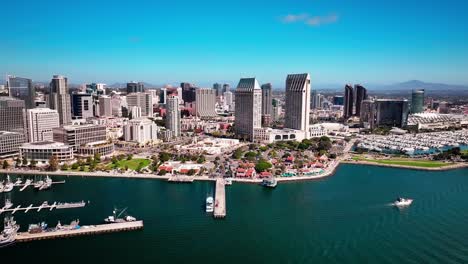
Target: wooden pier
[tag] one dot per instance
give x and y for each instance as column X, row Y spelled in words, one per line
column 220, row 199
column 82, row 231
column 45, row 205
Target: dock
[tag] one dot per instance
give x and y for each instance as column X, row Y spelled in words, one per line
column 181, row 179
column 220, row 199
column 24, row 185
column 82, row 231
column 44, row 205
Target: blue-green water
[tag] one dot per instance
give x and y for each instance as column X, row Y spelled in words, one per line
column 345, row 218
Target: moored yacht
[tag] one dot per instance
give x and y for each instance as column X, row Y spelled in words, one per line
column 209, row 205
column 18, row 181
column 8, row 185
column 114, row 218
column 270, row 182
column 8, row 235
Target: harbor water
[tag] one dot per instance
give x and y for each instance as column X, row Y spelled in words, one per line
column 346, row 218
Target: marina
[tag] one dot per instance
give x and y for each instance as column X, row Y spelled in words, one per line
column 415, row 144
column 45, row 205
column 220, row 199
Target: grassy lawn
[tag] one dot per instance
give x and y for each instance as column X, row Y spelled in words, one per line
column 406, row 162
column 133, row 163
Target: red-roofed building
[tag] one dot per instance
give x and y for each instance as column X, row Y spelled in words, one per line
column 265, row 174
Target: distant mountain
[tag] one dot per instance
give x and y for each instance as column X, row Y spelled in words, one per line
column 415, row 84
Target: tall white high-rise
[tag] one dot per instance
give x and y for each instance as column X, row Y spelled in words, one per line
column 41, row 121
column 297, row 102
column 173, row 115
column 59, row 98
column 205, row 103
column 105, row 106
column 142, row 100
column 228, row 100
column 248, row 113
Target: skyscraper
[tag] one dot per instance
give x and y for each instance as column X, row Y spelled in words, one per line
column 12, row 115
column 105, row 106
column 391, row 112
column 360, row 95
column 248, row 113
column 226, row 88
column 205, row 103
column 134, row 87
column 23, row 89
column 316, row 100
column 41, row 122
column 297, row 111
column 348, row 101
column 173, row 115
column 142, row 100
column 417, row 101
column 267, row 104
column 188, row 93
column 59, row 99
column 338, row 100
column 228, row 100
column 217, row 87
column 82, row 105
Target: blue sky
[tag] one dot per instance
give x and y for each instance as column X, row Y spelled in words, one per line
column 365, row 41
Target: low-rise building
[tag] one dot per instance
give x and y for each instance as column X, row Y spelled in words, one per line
column 141, row 130
column 77, row 135
column 10, row 143
column 44, row 150
column 103, row 148
column 270, row 135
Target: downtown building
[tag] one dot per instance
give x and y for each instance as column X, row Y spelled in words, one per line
column 384, row 113
column 42, row 151
column 141, row 130
column 21, row 88
column 78, row 135
column 105, row 106
column 205, row 103
column 10, row 143
column 142, row 100
column 353, row 99
column 173, row 117
column 417, row 101
column 135, row 87
column 267, row 104
column 41, row 122
column 248, row 112
column 82, row 105
column 12, row 115
column 59, row 98
column 297, row 111
column 188, row 92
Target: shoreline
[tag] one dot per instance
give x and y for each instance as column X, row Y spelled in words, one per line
column 330, row 171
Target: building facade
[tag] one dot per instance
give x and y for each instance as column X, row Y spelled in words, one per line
column 77, row 135
column 12, row 115
column 248, row 112
column 23, row 89
column 10, row 143
column 173, row 116
column 142, row 100
column 141, row 130
column 417, row 101
column 135, row 87
column 348, row 101
column 105, row 106
column 205, row 103
column 267, row 104
column 297, row 112
column 82, row 105
column 44, row 150
column 59, row 98
column 41, row 122
column 360, row 94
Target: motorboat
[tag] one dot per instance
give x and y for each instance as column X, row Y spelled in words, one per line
column 209, row 204
column 402, row 202
column 47, row 184
column 37, row 228
column 228, row 181
column 38, row 184
column 8, row 204
column 270, row 182
column 8, row 235
column 8, row 187
column 114, row 218
column 18, row 182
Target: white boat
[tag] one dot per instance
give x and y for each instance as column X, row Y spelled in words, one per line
column 270, row 182
column 8, row 204
column 18, row 182
column 114, row 218
column 47, row 184
column 228, row 181
column 403, row 202
column 8, row 235
column 38, row 184
column 209, row 205
column 8, row 185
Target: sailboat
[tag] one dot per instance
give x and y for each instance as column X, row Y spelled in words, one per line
column 8, row 185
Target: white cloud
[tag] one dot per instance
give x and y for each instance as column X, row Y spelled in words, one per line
column 314, row 21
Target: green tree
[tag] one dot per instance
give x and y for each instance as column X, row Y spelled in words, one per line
column 262, row 165
column 114, row 160
column 164, row 156
column 82, row 167
column 162, row 172
column 250, row 155
column 64, row 167
column 25, row 161
column 89, row 160
column 129, row 157
column 33, row 163
column 53, row 163
column 201, row 159
column 191, row 172
column 5, row 164
column 18, row 162
column 237, row 154
column 97, row 157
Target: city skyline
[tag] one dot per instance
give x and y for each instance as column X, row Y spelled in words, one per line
column 360, row 42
